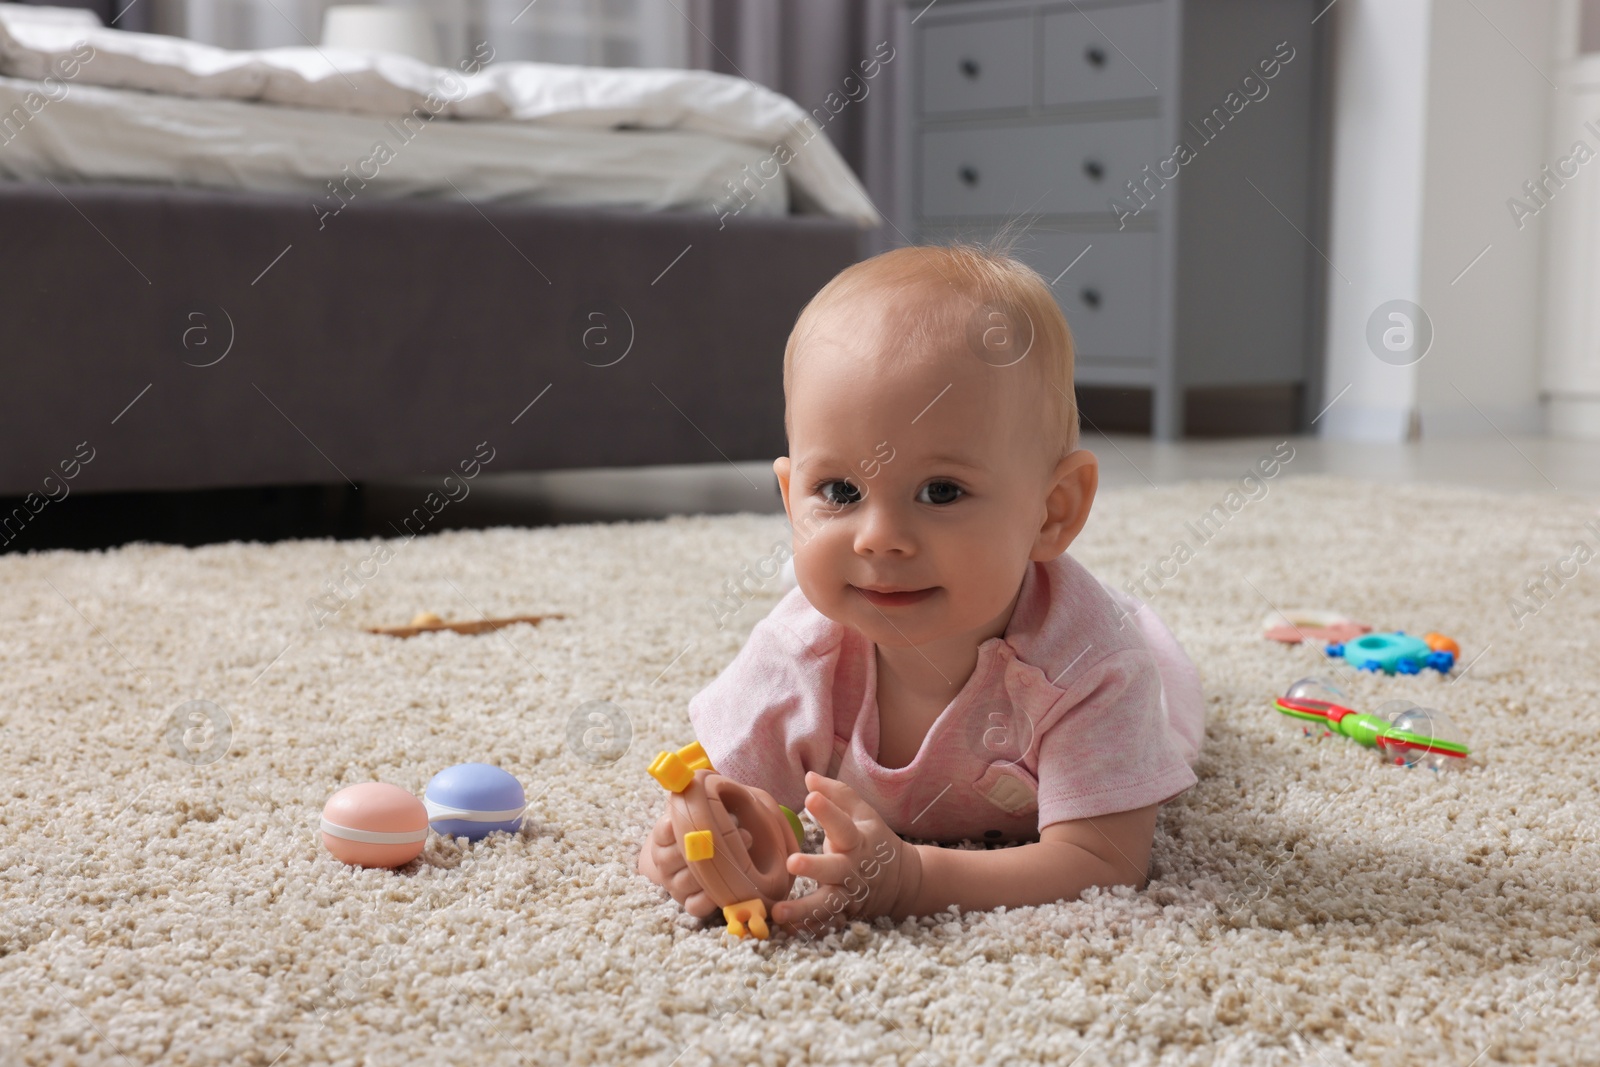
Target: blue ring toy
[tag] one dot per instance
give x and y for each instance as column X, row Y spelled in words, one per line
column 1392, row 653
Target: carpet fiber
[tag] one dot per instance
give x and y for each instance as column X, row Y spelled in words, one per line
column 1308, row 904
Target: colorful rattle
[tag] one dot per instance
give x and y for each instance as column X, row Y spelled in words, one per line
column 1398, row 652
column 708, row 811
column 1402, row 732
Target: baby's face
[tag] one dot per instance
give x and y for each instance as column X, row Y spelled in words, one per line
column 917, row 481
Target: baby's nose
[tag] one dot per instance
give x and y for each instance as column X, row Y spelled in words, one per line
column 881, row 532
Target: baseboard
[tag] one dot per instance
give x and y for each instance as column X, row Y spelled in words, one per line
column 1221, row 411
column 1484, row 420
column 1110, row 410
column 1576, row 417
column 1345, row 421
column 1242, row 410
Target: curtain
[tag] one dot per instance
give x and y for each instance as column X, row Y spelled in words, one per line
column 807, row 50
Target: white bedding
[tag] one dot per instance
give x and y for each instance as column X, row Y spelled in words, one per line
column 93, row 133
column 784, row 137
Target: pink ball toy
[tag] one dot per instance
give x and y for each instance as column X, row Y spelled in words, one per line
column 374, row 824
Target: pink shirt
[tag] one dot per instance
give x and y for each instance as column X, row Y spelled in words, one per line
column 1082, row 708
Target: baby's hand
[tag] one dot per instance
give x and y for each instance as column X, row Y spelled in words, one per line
column 864, row 871
column 661, row 860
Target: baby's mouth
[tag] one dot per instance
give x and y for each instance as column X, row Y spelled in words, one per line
column 895, row 598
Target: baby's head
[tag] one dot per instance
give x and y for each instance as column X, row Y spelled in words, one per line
column 932, row 442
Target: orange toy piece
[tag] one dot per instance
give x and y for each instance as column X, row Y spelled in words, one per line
column 1441, row 643
column 708, row 811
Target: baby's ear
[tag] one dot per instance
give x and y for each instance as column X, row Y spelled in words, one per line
column 1069, row 496
column 780, row 467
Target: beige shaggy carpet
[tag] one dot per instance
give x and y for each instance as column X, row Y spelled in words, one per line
column 1309, row 905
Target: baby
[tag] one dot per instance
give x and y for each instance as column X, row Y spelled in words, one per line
column 945, row 672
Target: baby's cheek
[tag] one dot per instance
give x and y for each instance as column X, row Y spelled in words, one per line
column 817, row 582
column 841, row 608
column 986, row 587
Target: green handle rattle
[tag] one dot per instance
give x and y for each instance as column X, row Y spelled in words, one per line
column 1402, row 732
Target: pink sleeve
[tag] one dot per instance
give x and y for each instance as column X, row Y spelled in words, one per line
column 1111, row 751
column 768, row 717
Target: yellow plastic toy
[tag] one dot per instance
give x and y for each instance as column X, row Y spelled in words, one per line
column 708, row 811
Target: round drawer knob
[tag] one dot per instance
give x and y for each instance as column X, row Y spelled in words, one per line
column 1095, row 55
column 969, row 175
column 969, row 67
column 1094, row 169
column 1090, row 297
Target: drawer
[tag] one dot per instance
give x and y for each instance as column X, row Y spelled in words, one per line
column 1108, row 295
column 1063, row 169
column 1116, row 53
column 978, row 66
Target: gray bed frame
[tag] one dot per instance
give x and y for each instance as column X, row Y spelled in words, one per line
column 190, row 339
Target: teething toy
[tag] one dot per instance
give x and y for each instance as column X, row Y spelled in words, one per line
column 1310, row 624
column 473, row 800
column 1398, row 652
column 1402, row 732
column 707, row 812
column 374, row 824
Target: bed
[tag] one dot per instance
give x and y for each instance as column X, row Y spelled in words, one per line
column 213, row 277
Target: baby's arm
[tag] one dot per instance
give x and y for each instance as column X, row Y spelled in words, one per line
column 1069, row 857
column 866, row 870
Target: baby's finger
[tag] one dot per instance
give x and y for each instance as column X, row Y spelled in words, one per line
column 663, row 834
column 669, row 859
column 841, row 794
column 682, row 885
column 810, row 913
column 832, row 868
column 842, row 833
column 747, row 837
column 700, row 906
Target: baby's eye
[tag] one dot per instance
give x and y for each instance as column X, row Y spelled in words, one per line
column 939, row 493
column 839, row 492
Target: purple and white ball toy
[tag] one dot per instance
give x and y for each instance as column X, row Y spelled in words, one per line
column 473, row 800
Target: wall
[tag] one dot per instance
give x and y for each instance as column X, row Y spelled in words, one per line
column 1439, row 116
column 1570, row 219
column 1490, row 91
column 1380, row 57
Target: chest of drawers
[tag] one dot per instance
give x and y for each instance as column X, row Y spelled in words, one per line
column 1156, row 160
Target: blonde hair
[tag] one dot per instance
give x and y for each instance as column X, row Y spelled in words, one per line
column 1006, row 309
